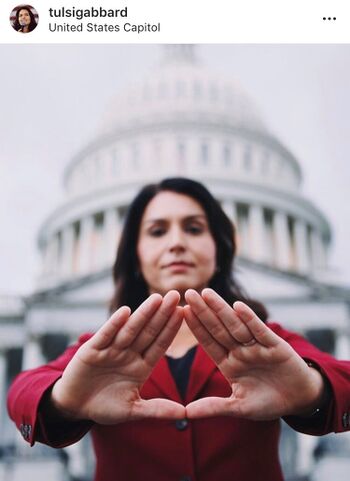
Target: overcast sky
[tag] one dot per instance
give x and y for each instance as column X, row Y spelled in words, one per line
column 52, row 99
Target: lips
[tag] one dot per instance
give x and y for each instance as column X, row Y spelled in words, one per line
column 179, row 264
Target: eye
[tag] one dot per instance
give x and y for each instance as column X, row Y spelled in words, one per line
column 156, row 231
column 194, row 229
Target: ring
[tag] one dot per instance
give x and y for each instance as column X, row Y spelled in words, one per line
column 249, row 343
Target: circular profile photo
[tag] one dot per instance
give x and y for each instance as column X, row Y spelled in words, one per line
column 24, row 18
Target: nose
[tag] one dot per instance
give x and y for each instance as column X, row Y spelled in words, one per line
column 177, row 240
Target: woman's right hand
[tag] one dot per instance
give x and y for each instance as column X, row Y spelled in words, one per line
column 102, row 381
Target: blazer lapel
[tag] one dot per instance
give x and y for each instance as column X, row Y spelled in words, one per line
column 163, row 379
column 201, row 370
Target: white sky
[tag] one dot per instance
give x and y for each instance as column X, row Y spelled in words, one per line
column 53, row 97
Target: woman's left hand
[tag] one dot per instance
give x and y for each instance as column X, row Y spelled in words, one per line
column 268, row 378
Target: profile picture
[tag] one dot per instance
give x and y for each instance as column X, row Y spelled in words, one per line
column 24, row 18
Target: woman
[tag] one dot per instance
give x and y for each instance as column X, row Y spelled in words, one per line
column 178, row 384
column 25, row 21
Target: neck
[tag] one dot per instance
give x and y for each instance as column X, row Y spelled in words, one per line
column 182, row 342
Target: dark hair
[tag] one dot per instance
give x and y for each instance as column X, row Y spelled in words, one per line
column 17, row 26
column 130, row 287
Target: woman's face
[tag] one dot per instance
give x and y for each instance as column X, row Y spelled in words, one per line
column 24, row 17
column 176, row 249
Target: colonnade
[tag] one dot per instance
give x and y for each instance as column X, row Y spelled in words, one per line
column 84, row 246
column 286, row 243
column 272, row 238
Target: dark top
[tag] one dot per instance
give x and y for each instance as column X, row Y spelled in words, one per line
column 180, row 369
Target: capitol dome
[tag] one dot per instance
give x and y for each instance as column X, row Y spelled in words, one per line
column 184, row 120
column 182, row 89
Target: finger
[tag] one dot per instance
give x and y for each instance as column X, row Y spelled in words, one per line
column 155, row 325
column 209, row 319
column 158, row 408
column 238, row 330
column 214, row 349
column 164, row 338
column 209, row 407
column 106, row 334
column 260, row 331
column 137, row 320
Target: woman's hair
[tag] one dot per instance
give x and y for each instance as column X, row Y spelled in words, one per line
column 130, row 287
column 17, row 26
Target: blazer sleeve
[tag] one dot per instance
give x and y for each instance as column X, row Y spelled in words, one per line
column 336, row 417
column 25, row 400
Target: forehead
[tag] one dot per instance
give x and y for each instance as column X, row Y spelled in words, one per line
column 168, row 204
column 23, row 11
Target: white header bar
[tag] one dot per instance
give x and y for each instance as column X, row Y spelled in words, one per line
column 181, row 21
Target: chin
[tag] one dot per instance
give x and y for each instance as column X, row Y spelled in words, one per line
column 182, row 286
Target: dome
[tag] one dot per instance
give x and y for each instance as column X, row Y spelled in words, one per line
column 184, row 120
column 182, row 88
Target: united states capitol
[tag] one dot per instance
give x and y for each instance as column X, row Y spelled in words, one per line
column 181, row 119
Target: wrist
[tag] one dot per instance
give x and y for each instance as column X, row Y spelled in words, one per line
column 318, row 394
column 57, row 407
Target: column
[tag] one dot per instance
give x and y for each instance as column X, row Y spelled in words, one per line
column 67, row 250
column 110, row 235
column 55, row 261
column 243, row 234
column 3, row 380
column 318, row 254
column 342, row 347
column 86, row 230
column 51, row 257
column 306, row 448
column 32, row 355
column 46, row 256
column 257, row 235
column 229, row 207
column 301, row 247
column 280, row 226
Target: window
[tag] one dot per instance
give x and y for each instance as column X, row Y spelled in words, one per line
column 162, row 90
column 247, row 158
column 292, row 251
column 114, row 169
column 214, row 93
column 76, row 245
column 227, row 155
column 204, row 154
column 180, row 88
column 197, row 90
column 135, row 154
column 265, row 162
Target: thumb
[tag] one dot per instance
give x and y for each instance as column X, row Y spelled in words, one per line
column 211, row 406
column 159, row 409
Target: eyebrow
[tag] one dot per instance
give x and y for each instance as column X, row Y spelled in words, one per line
column 187, row 218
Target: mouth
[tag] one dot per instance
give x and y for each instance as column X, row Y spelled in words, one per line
column 179, row 265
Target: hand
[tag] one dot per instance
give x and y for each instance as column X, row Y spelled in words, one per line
column 102, row 381
column 268, row 378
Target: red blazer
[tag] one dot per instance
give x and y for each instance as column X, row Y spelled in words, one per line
column 212, row 449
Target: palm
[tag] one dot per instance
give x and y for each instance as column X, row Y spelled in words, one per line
column 261, row 378
column 265, row 373
column 103, row 379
